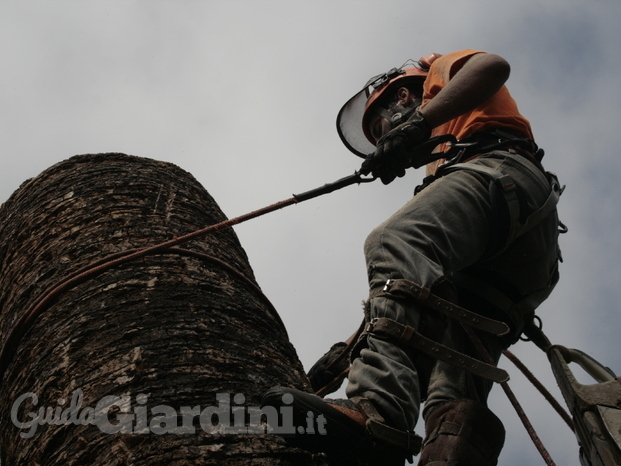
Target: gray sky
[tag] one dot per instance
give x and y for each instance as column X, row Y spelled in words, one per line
column 244, row 95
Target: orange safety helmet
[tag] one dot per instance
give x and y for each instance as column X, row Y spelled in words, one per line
column 352, row 119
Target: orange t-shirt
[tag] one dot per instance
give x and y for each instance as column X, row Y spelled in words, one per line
column 500, row 111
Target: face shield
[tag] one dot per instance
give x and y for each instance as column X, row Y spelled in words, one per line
column 351, row 118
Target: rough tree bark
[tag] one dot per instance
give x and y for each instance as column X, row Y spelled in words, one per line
column 174, row 328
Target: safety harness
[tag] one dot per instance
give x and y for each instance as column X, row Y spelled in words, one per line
column 405, row 335
column 502, row 184
column 401, row 289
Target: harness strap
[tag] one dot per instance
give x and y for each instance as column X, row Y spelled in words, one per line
column 405, row 289
column 491, row 294
column 406, row 335
column 377, row 428
column 515, row 310
column 520, row 313
column 535, row 334
column 498, row 139
column 548, row 206
column 509, row 191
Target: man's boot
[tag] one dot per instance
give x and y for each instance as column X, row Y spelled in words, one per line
column 350, row 431
column 462, row 433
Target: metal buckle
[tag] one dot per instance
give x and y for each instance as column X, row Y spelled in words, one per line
column 380, row 80
column 369, row 327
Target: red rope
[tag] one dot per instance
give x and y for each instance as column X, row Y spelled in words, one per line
column 512, row 398
column 539, row 386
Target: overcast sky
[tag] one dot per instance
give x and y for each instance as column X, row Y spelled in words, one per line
column 244, row 95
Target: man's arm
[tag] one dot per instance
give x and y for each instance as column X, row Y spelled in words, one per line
column 480, row 77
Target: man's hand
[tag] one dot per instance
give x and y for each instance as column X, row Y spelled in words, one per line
column 395, row 152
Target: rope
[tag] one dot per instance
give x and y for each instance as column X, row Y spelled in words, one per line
column 27, row 320
column 512, row 398
column 539, row 386
column 29, row 317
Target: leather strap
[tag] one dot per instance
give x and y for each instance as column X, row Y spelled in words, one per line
column 376, row 426
column 406, row 335
column 491, row 294
column 405, row 289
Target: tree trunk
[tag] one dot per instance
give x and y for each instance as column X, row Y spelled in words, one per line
column 127, row 364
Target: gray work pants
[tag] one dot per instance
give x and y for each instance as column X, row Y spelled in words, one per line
column 447, row 228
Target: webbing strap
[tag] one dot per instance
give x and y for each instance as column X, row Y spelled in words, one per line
column 411, row 443
column 536, row 335
column 509, row 191
column 376, row 426
column 548, row 206
column 406, row 335
column 490, row 294
column 405, row 289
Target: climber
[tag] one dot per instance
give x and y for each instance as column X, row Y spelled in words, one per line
column 474, row 251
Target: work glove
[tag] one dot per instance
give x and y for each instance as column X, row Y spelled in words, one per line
column 396, row 150
column 320, row 376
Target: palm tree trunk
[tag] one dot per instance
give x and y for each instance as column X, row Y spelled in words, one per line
column 126, row 364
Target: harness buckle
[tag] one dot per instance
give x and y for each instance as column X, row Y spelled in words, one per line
column 370, row 325
column 388, row 285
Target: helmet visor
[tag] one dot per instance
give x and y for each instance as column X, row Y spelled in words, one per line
column 349, row 122
column 349, row 125
column 350, row 118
